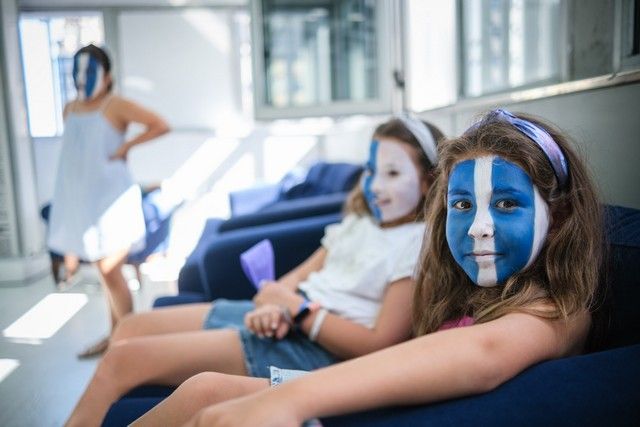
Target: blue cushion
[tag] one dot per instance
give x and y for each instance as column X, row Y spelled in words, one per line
column 599, row 389
column 287, row 210
column 324, row 178
column 622, row 277
column 125, row 411
column 293, row 241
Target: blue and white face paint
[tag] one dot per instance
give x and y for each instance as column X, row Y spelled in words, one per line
column 392, row 183
column 88, row 76
column 496, row 219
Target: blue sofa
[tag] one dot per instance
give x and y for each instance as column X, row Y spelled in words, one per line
column 219, row 261
column 599, row 388
column 321, row 191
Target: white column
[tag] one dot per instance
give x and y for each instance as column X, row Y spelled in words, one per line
column 22, row 254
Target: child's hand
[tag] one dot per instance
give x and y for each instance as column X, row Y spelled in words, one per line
column 249, row 411
column 120, row 153
column 277, row 294
column 269, row 320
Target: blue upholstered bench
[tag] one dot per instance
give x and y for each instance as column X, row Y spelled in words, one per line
column 600, row 388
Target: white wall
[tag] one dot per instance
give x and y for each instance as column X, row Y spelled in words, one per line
column 604, row 124
column 181, row 63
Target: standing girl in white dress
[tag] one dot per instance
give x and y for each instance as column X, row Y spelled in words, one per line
column 96, row 212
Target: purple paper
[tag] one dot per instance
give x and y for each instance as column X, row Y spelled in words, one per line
column 258, row 263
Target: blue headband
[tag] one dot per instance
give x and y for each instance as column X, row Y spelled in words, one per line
column 541, row 137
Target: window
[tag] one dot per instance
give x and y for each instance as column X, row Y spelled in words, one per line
column 319, row 57
column 630, row 56
column 508, row 44
column 48, row 44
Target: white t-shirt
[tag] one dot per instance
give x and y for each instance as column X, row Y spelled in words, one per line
column 362, row 261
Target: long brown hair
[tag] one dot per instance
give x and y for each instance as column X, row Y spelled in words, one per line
column 564, row 276
column 394, row 128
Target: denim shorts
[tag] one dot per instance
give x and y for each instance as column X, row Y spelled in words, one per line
column 295, row 351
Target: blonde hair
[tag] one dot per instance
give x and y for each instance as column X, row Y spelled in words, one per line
column 564, row 276
column 394, row 128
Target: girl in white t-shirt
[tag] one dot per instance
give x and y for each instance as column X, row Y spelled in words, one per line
column 351, row 297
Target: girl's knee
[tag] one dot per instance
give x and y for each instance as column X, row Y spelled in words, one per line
column 125, row 328
column 115, row 359
column 204, row 381
column 203, row 389
column 208, row 388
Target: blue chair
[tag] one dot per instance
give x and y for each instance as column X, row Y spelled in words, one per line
column 321, row 179
column 322, row 191
column 219, row 260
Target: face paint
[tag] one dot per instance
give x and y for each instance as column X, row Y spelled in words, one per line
column 368, row 180
column 496, row 219
column 392, row 185
column 88, row 76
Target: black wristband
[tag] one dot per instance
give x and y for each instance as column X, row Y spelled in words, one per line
column 303, row 312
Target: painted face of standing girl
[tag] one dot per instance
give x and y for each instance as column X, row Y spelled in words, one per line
column 392, row 185
column 496, row 219
column 88, row 76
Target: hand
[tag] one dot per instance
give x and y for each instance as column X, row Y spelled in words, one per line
column 269, row 320
column 275, row 293
column 121, row 153
column 256, row 410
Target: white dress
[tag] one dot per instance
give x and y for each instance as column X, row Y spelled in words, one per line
column 96, row 209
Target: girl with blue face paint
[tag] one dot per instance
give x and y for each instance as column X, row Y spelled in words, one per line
column 507, row 279
column 399, row 169
column 96, row 210
column 496, row 219
column 349, row 298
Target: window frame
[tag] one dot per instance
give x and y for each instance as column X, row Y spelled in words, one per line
column 380, row 105
column 624, row 25
column 563, row 58
column 48, row 15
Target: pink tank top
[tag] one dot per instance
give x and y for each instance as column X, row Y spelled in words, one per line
column 457, row 323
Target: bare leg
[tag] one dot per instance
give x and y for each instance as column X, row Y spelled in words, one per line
column 197, row 393
column 71, row 264
column 158, row 359
column 165, row 320
column 119, row 296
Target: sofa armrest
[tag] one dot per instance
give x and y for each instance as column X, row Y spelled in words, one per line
column 250, row 200
column 287, row 210
column 182, row 298
column 293, row 242
column 591, row 390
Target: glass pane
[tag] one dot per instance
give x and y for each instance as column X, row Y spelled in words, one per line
column 48, row 45
column 509, row 43
column 317, row 52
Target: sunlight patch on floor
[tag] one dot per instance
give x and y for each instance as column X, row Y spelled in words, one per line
column 6, row 367
column 45, row 318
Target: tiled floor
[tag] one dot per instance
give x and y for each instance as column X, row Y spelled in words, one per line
column 40, row 376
